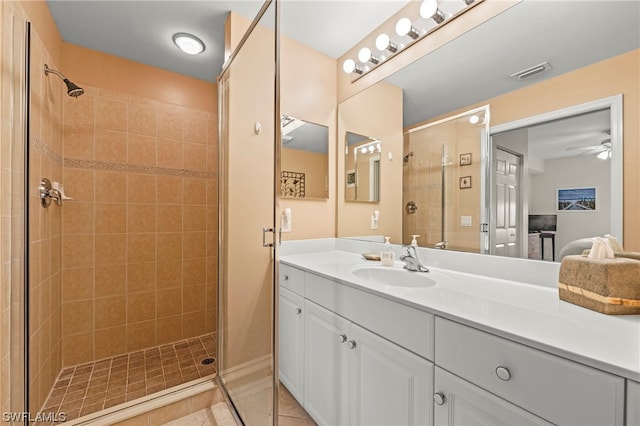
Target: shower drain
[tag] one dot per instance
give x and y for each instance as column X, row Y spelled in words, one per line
column 208, row 361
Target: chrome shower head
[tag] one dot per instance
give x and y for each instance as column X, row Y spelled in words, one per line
column 73, row 90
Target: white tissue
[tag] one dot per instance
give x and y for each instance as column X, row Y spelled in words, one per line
column 601, row 249
column 613, row 242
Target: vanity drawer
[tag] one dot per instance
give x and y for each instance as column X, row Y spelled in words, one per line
column 292, row 279
column 554, row 388
column 403, row 325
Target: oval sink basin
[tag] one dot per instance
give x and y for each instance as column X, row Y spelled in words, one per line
column 394, row 276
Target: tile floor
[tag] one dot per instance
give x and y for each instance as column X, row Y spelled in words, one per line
column 91, row 387
column 290, row 414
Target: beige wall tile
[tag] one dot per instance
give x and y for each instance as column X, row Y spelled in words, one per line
column 77, row 218
column 110, row 312
column 78, row 142
column 194, row 324
column 169, row 302
column 110, row 146
column 78, row 317
column 194, row 218
column 110, row 342
column 141, row 277
column 170, row 190
column 78, row 184
column 142, row 120
column 141, row 150
column 141, row 307
column 110, row 280
column 110, row 114
column 195, row 129
column 170, row 412
column 169, row 245
column 171, row 124
column 141, row 188
column 110, row 187
column 194, row 298
column 169, row 329
column 170, row 153
column 169, row 274
column 194, row 271
column 195, row 191
column 110, row 249
column 110, row 218
column 77, row 251
column 79, row 111
column 194, row 245
column 169, row 218
column 141, row 335
column 195, row 156
column 141, row 248
column 77, row 284
column 77, row 349
column 141, row 217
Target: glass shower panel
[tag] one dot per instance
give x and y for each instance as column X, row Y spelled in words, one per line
column 443, row 182
column 247, row 205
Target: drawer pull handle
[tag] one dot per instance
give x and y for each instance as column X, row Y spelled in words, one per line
column 342, row 338
column 439, row 398
column 503, row 373
column 286, row 277
column 351, row 344
column 298, row 311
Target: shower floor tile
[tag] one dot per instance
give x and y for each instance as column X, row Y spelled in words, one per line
column 88, row 388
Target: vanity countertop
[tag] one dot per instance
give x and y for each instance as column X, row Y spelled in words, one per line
column 531, row 314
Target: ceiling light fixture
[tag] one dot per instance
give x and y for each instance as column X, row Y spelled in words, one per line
column 429, row 10
column 365, row 55
column 476, row 119
column 350, row 66
column 188, row 43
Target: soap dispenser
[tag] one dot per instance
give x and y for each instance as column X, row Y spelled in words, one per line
column 414, row 241
column 386, row 255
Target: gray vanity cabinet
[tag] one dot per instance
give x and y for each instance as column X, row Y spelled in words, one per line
column 291, row 342
column 460, row 403
column 633, row 403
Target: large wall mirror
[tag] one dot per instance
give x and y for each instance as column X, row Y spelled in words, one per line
column 305, row 160
column 548, row 157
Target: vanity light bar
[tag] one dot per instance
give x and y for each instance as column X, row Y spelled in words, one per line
column 407, row 33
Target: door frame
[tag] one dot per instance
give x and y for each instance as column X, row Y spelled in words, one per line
column 615, row 106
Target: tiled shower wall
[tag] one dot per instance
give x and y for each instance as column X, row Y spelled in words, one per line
column 45, row 239
column 140, row 235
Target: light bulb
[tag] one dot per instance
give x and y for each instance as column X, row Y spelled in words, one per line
column 363, row 150
column 474, row 119
column 364, row 54
column 429, row 9
column 403, row 27
column 371, row 148
column 350, row 66
column 383, row 42
column 188, row 43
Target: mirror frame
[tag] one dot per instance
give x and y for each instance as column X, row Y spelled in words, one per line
column 614, row 103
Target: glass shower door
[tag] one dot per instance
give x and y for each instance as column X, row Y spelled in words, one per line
column 247, row 96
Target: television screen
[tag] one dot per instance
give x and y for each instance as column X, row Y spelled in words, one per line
column 542, row 223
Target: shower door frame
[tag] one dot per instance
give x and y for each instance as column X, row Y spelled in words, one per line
column 272, row 228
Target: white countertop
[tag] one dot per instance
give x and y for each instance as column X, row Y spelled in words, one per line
column 531, row 314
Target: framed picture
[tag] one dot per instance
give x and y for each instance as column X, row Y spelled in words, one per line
column 292, row 184
column 465, row 159
column 465, row 182
column 351, row 178
column 577, row 199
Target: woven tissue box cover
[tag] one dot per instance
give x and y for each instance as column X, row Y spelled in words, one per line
column 610, row 286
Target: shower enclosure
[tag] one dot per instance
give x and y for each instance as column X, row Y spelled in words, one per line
column 249, row 159
column 444, row 181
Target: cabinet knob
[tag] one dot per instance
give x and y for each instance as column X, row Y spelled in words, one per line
column 286, row 277
column 503, row 373
column 342, row 338
column 298, row 311
column 439, row 398
column 351, row 344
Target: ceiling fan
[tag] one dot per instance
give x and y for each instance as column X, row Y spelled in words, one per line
column 602, row 151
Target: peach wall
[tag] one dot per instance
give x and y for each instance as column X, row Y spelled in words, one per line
column 377, row 113
column 618, row 75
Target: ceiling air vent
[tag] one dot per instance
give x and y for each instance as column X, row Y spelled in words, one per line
column 531, row 71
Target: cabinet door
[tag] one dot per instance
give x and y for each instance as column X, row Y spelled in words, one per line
column 389, row 384
column 458, row 402
column 633, row 403
column 291, row 344
column 326, row 360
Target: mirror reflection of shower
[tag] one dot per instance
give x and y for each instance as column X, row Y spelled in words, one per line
column 73, row 89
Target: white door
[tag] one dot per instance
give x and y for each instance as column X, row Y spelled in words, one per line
column 291, row 344
column 326, row 362
column 389, row 384
column 506, row 202
column 458, row 402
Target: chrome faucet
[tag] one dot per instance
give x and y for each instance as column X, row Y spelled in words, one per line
column 411, row 260
column 441, row 245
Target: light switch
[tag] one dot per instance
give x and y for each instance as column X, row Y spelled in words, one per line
column 466, row 221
